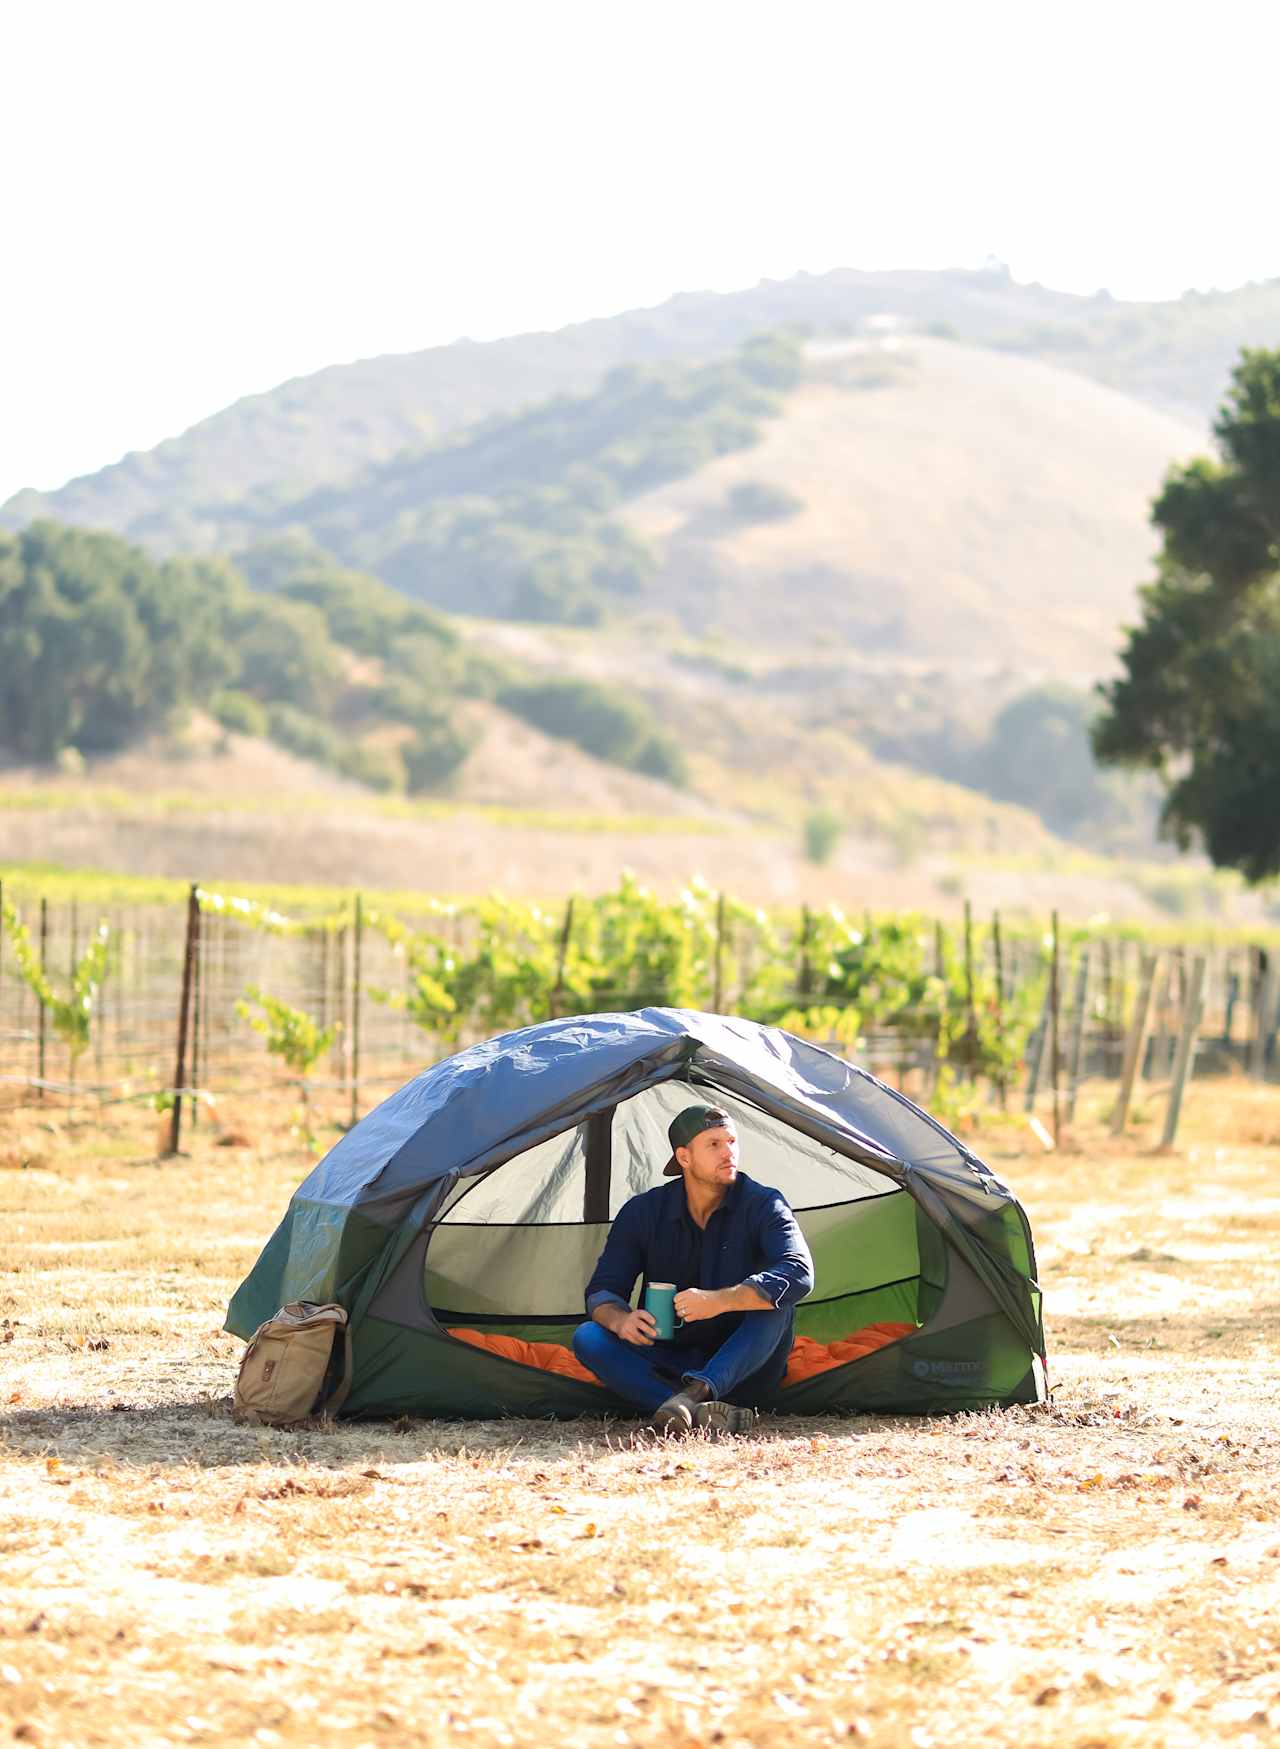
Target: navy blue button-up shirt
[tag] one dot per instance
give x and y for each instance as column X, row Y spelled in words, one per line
column 751, row 1238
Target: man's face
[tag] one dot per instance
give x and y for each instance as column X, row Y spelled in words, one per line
column 711, row 1158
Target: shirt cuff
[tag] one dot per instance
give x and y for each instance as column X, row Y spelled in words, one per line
column 773, row 1287
column 603, row 1297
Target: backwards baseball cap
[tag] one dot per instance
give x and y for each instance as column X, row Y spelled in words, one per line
column 690, row 1123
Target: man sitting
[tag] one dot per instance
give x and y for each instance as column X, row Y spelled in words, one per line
column 740, row 1263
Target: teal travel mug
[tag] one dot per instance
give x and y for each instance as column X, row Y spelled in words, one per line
column 660, row 1299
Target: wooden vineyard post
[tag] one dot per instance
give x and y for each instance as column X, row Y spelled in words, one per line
column 1075, row 1050
column 196, row 981
column 998, row 949
column 1035, row 1050
column 99, row 1031
column 1108, row 1008
column 342, row 1002
column 41, row 1018
column 322, row 979
column 805, row 985
column 1135, row 1044
column 562, row 954
column 718, row 993
column 1192, row 1015
column 184, row 1016
column 1262, row 1017
column 357, row 943
column 970, row 1017
column 1055, row 987
column 206, row 964
column 72, row 948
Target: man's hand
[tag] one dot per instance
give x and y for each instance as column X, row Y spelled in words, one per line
column 639, row 1328
column 695, row 1303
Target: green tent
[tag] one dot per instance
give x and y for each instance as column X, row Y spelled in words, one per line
column 480, row 1194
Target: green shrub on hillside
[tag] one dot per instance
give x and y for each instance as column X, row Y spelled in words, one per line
column 238, row 712
column 775, row 360
column 377, row 768
column 761, row 501
column 823, row 829
column 286, row 655
column 662, row 757
column 302, row 734
column 434, row 755
column 596, row 719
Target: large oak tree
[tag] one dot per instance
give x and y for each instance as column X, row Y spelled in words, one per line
column 1199, row 699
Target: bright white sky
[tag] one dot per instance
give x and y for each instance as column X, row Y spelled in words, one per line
column 202, row 199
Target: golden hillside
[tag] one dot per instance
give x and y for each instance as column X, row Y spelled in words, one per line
column 959, row 506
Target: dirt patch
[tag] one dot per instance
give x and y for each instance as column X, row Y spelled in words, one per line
column 1105, row 1570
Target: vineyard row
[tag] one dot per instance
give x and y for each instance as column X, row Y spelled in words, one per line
column 180, row 1004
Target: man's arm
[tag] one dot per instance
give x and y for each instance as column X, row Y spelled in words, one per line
column 613, row 1281
column 785, row 1274
column 696, row 1303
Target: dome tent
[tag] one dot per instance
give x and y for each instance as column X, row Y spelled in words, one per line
column 480, row 1195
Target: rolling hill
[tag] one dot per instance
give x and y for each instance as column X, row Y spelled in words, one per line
column 900, row 500
column 968, row 509
column 788, row 549
column 1174, row 355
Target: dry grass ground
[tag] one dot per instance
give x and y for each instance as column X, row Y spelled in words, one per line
column 1103, row 1571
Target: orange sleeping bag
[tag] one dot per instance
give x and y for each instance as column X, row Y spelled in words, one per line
column 546, row 1356
column 808, row 1358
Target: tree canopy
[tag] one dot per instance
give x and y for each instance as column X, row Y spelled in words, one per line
column 1199, row 698
column 101, row 645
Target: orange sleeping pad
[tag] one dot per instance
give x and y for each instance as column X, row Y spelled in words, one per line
column 808, row 1358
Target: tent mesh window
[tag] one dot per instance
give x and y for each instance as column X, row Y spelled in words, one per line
column 512, row 1251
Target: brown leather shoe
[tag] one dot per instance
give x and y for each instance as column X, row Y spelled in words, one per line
column 677, row 1414
column 719, row 1419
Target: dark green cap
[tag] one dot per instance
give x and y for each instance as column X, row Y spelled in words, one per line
column 690, row 1123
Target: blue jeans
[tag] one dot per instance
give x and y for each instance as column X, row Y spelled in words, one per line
column 746, row 1367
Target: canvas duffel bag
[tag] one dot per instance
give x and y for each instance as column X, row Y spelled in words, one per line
column 297, row 1364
